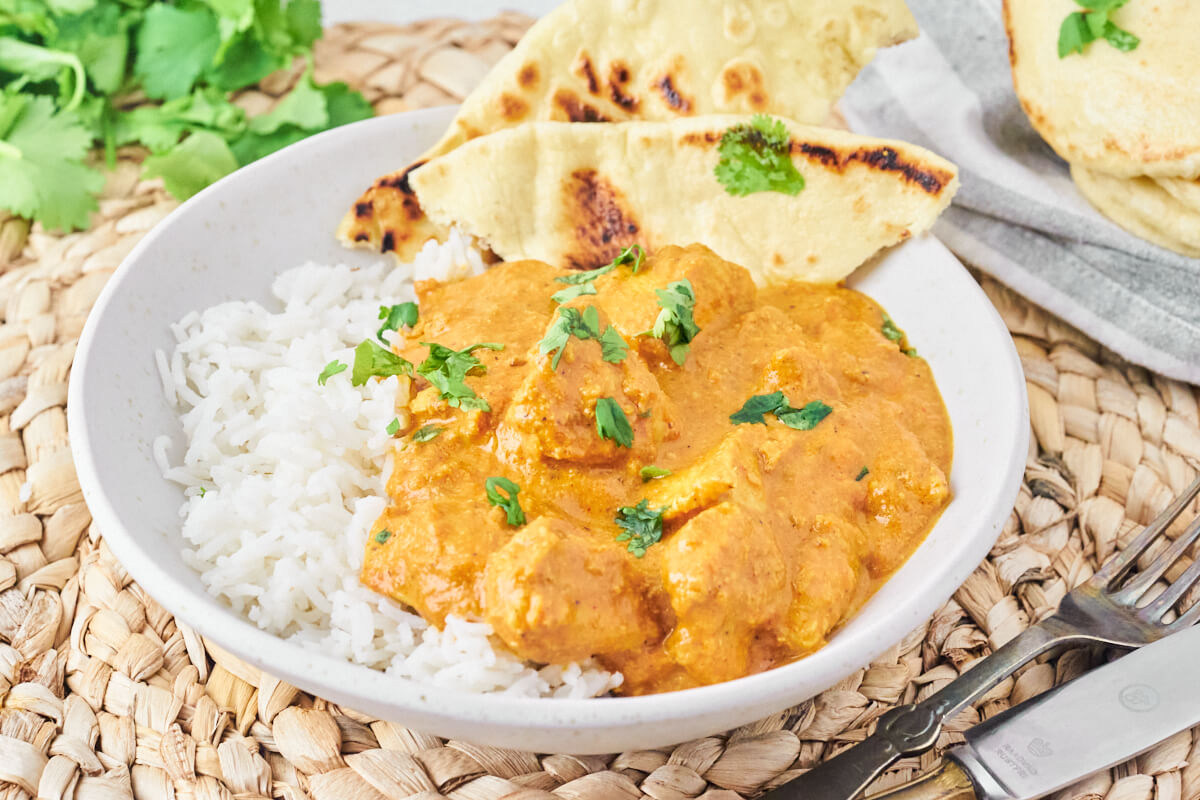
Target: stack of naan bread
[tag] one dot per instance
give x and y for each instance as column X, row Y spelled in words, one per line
column 601, row 129
column 1128, row 122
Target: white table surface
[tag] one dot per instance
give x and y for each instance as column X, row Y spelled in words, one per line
column 399, row 11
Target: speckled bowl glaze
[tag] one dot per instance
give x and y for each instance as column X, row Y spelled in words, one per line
column 230, row 241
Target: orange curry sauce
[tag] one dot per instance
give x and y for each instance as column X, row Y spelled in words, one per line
column 772, row 536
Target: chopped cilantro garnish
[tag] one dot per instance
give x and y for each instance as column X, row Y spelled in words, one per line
column 634, row 254
column 383, row 536
column 393, row 317
column 582, row 325
column 758, row 406
column 1081, row 28
column 652, row 472
column 427, row 434
column 642, row 527
column 611, row 422
column 804, row 419
column 448, row 369
column 510, row 504
column 801, row 419
column 332, row 368
column 675, row 324
column 890, row 330
column 757, row 158
column 571, row 292
column 203, row 491
column 373, row 361
column 864, row 473
column 393, row 426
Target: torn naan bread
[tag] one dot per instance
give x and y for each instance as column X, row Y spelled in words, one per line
column 1159, row 211
column 616, row 60
column 1121, row 113
column 575, row 195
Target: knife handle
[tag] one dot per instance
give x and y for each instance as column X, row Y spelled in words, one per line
column 948, row 782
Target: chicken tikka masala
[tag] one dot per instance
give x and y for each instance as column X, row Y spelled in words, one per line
column 655, row 463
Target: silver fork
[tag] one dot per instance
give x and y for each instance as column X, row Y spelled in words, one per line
column 1103, row 610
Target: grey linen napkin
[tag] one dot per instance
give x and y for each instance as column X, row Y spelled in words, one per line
column 1018, row 216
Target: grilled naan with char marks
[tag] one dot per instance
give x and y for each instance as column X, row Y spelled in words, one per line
column 576, row 195
column 618, row 60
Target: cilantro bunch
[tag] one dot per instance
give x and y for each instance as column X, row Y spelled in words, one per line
column 77, row 74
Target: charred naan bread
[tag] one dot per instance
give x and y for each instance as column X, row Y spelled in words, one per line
column 616, row 60
column 1165, row 211
column 1121, row 113
column 576, row 195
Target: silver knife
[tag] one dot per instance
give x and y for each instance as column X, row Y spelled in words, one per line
column 1094, row 722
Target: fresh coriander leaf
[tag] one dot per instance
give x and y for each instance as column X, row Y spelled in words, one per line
column 304, row 22
column 642, row 527
column 911, row 352
column 373, row 361
column 675, row 324
column 510, row 504
column 890, row 330
column 652, row 472
column 393, row 427
column 427, row 434
column 243, row 61
column 42, row 174
column 1101, row 5
column 1096, row 21
column 332, row 368
column 758, row 406
column 203, row 491
column 174, row 46
column 757, row 158
column 343, row 103
column 159, row 127
column 1074, row 34
column 38, row 63
column 613, row 348
column 583, row 325
column 559, row 333
column 382, row 536
column 447, row 370
column 804, row 419
column 393, row 317
column 1123, row 40
column 202, row 159
column 578, row 278
column 864, row 473
column 634, row 254
column 611, row 422
column 571, row 292
column 304, row 106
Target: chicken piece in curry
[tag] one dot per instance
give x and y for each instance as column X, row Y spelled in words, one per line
column 656, row 464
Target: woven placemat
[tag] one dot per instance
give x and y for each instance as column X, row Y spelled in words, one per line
column 105, row 696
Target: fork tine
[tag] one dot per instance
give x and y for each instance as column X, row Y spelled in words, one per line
column 1146, row 577
column 1186, row 619
column 1155, row 610
column 1119, row 565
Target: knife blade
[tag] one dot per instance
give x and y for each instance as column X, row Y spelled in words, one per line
column 1094, row 722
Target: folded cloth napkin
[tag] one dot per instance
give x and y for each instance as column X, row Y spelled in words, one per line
column 1018, row 216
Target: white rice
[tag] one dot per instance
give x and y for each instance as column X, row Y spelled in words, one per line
column 283, row 478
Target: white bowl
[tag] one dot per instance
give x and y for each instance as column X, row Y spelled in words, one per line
column 229, row 242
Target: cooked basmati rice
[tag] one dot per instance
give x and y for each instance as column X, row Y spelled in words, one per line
column 283, row 478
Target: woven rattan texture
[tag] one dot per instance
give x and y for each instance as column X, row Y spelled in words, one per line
column 104, row 695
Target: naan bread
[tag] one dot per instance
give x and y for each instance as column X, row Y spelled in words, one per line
column 615, row 60
column 575, row 195
column 1160, row 211
column 1124, row 114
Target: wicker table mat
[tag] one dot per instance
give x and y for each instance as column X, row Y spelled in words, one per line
column 105, row 696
